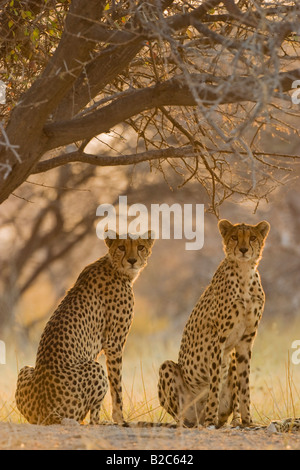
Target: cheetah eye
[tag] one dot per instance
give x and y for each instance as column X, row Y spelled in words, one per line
column 121, row 247
column 253, row 238
column 140, row 247
column 234, row 237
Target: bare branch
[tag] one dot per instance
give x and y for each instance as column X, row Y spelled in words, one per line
column 174, row 92
column 103, row 160
column 133, row 159
column 112, row 61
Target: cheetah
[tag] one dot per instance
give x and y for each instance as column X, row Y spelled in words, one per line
column 94, row 317
column 211, row 379
column 285, row 425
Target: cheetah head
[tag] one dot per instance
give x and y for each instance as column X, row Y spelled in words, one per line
column 129, row 255
column 244, row 242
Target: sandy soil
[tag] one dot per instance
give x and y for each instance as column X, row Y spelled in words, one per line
column 113, row 437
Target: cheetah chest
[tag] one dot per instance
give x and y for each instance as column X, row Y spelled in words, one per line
column 244, row 313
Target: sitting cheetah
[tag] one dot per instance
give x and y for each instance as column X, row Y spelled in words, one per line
column 95, row 316
column 211, row 379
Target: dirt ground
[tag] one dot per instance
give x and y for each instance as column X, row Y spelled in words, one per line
column 113, row 437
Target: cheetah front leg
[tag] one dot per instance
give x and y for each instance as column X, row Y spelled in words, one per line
column 229, row 396
column 235, row 391
column 213, row 401
column 243, row 358
column 114, row 371
column 113, row 342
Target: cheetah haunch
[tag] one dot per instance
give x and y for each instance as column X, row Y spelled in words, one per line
column 94, row 316
column 211, row 379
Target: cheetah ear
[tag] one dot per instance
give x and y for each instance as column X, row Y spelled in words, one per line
column 150, row 237
column 224, row 225
column 109, row 237
column 264, row 228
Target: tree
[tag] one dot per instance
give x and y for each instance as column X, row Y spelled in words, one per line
column 199, row 85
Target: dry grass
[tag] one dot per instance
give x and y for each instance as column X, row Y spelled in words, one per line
column 275, row 381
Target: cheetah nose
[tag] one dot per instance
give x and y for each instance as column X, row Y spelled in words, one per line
column 132, row 261
column 243, row 250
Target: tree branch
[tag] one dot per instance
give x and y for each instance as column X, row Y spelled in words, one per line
column 173, row 92
column 104, row 160
column 133, row 159
column 97, row 74
column 183, row 21
column 110, row 62
column 100, row 33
